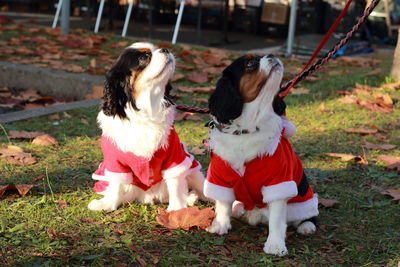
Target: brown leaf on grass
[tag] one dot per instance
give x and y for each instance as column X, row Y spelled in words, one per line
column 198, row 150
column 45, row 140
column 376, row 106
column 393, row 163
column 177, row 77
column 362, row 131
column 141, row 261
column 322, row 108
column 66, row 115
column 348, row 99
column 391, row 86
column 327, row 203
column 4, row 188
column 394, row 193
column 348, row 157
column 97, row 92
column 197, row 77
column 212, row 60
column 220, row 53
column 52, row 234
column 22, row 189
column 54, row 117
column 213, row 70
column 185, row 218
column 84, row 121
column 183, row 66
column 383, row 99
column 62, row 204
column 374, row 72
column 359, row 61
column 15, row 155
column 187, row 116
column 202, row 100
column 379, row 146
column 299, row 91
column 202, row 90
column 120, row 44
column 23, row 134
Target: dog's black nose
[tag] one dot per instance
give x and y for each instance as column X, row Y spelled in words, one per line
column 164, row 50
column 270, row 56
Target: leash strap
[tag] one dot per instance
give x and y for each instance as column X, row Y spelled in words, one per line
column 320, row 46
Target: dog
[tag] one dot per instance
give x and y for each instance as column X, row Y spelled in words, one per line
column 144, row 159
column 254, row 174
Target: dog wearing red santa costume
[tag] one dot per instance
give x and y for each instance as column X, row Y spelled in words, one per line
column 144, row 159
column 253, row 165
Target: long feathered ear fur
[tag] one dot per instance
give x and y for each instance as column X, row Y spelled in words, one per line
column 225, row 103
column 279, row 105
column 117, row 92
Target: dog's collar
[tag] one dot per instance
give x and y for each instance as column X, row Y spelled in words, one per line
column 230, row 128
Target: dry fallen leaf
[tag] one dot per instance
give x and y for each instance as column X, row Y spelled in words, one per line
column 391, row 86
column 198, row 150
column 22, row 189
column 197, row 77
column 327, row 203
column 361, row 131
column 299, row 91
column 185, row 218
column 97, row 92
column 45, row 140
column 187, row 116
column 177, row 77
column 379, row 146
column 393, row 163
column 202, row 90
column 395, row 193
column 23, row 134
column 54, row 117
column 15, row 155
column 62, row 204
column 348, row 157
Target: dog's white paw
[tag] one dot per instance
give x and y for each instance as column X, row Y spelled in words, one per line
column 237, row 209
column 306, row 228
column 192, row 198
column 219, row 227
column 275, row 247
column 175, row 206
column 101, row 204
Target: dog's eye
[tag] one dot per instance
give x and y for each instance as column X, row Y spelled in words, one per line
column 251, row 64
column 144, row 59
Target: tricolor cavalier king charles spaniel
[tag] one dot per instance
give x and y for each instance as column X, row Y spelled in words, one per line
column 144, row 159
column 254, row 174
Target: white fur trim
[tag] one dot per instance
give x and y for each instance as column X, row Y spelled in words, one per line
column 290, row 129
column 178, row 170
column 303, row 210
column 279, row 191
column 115, row 177
column 218, row 192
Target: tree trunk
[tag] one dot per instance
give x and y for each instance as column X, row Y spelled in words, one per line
column 396, row 61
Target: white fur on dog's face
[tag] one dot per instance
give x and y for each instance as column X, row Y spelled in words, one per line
column 138, row 80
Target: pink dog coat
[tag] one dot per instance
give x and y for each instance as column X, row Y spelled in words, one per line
column 126, row 167
column 277, row 177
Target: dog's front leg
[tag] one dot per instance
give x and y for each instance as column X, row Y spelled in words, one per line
column 177, row 192
column 222, row 221
column 277, row 228
column 111, row 200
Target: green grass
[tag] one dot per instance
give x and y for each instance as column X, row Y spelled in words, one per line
column 363, row 230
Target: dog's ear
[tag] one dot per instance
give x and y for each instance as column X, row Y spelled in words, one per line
column 117, row 92
column 225, row 103
column 279, row 105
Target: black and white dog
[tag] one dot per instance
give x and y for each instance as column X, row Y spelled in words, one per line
column 254, row 173
column 144, row 159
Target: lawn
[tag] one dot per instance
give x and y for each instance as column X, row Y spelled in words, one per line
column 52, row 226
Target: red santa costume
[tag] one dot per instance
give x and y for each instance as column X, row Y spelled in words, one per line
column 273, row 177
column 126, row 167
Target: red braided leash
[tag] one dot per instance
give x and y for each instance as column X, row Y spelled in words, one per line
column 304, row 73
